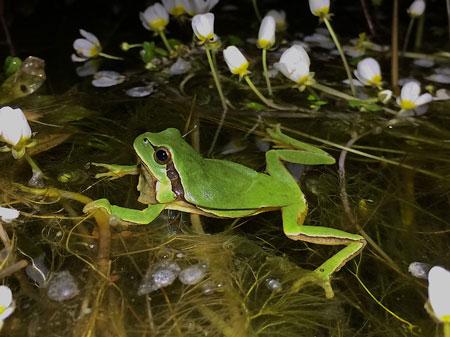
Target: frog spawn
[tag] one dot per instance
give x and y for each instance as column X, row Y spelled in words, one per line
column 163, row 274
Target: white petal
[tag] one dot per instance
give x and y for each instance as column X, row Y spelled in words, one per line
column 76, row 58
column 234, row 58
column 87, row 69
column 13, row 125
column 90, row 37
column 410, row 91
column 425, row 63
column 8, row 215
column 107, row 78
column 439, row 78
column 367, row 69
column 267, row 31
column 424, row 99
column 442, row 95
column 83, row 47
column 279, row 17
column 203, row 26
column 318, row 5
column 5, row 296
column 417, row 8
column 180, row 67
column 5, row 314
column 439, row 291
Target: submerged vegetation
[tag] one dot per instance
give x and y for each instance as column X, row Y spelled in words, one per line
column 227, row 75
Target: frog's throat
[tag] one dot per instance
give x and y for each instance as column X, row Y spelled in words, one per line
column 147, row 185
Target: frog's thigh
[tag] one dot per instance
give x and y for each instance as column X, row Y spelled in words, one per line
column 322, row 235
column 141, row 217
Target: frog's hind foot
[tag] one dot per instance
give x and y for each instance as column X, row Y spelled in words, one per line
column 316, row 277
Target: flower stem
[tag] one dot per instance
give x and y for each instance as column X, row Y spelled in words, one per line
column 222, row 97
column 266, row 101
column 394, row 48
column 255, row 7
column 34, row 167
column 166, row 43
column 216, row 78
column 266, row 73
column 408, row 35
column 111, row 57
column 341, row 52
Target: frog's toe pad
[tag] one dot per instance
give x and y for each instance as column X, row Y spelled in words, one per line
column 315, row 277
column 98, row 204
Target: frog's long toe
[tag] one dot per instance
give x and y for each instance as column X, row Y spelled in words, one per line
column 94, row 205
column 315, row 277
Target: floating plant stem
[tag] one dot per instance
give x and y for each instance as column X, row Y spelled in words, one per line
column 332, row 91
column 266, row 73
column 341, row 52
column 165, row 41
column 408, row 34
column 265, row 100
column 110, row 57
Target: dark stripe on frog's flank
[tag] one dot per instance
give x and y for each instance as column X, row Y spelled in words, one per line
column 175, row 181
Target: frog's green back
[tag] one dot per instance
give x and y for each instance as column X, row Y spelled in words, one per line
column 221, row 184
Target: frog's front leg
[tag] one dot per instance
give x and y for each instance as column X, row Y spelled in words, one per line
column 294, row 229
column 116, row 171
column 141, row 217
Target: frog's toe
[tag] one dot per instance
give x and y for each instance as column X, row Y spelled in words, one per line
column 98, row 204
column 315, row 277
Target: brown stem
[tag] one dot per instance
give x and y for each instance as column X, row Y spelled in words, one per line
column 394, row 48
column 370, row 24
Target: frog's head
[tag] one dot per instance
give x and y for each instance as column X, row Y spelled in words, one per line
column 161, row 156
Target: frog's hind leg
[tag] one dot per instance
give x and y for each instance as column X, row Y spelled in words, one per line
column 292, row 225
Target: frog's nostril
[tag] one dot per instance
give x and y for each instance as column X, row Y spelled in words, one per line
column 146, row 141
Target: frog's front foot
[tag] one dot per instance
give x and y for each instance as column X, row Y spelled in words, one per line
column 114, row 171
column 316, row 277
column 102, row 204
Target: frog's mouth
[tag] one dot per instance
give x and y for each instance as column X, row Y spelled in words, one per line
column 146, row 185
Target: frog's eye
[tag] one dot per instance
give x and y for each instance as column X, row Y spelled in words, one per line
column 162, row 155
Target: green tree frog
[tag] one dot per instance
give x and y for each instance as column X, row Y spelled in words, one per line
column 172, row 175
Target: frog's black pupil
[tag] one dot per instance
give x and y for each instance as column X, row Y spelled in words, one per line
column 162, row 155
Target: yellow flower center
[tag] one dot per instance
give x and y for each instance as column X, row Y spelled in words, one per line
column 264, row 43
column 158, row 25
column 2, row 309
column 242, row 70
column 445, row 319
column 94, row 51
column 322, row 11
column 206, row 38
column 177, row 10
column 375, row 81
column 407, row 104
column 304, row 80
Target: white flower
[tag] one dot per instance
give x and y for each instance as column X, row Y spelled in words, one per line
column 194, row 7
column 14, row 127
column 155, row 17
column 319, row 7
column 294, row 64
column 6, row 303
column 266, row 35
column 417, row 8
column 174, row 7
column 107, row 78
column 87, row 47
column 279, row 17
column 236, row 61
column 439, row 293
column 410, row 97
column 8, row 214
column 368, row 72
column 203, row 27
column 384, row 96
